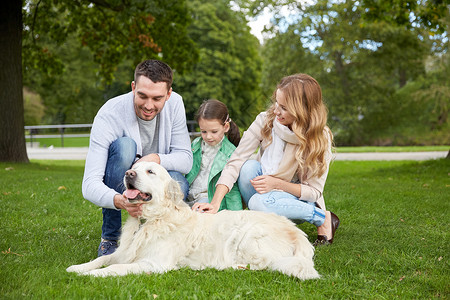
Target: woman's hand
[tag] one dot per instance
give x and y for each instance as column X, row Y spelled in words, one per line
column 266, row 183
column 205, row 208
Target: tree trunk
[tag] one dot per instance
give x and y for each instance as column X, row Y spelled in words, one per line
column 402, row 77
column 12, row 137
column 341, row 72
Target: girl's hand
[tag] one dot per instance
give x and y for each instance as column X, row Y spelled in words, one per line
column 205, row 208
column 265, row 183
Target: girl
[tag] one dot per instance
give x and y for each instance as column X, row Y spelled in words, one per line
column 211, row 152
column 289, row 174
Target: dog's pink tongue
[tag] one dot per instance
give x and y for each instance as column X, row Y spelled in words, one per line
column 131, row 194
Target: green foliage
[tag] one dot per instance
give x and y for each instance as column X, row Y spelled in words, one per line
column 361, row 64
column 434, row 93
column 112, row 30
column 382, row 65
column 408, row 13
column 229, row 65
column 75, row 94
column 420, row 108
column 255, row 7
column 34, row 109
column 392, row 242
column 285, row 55
column 78, row 54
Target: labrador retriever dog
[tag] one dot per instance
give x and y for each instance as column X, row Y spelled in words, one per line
column 169, row 235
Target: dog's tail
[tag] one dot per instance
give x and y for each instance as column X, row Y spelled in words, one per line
column 302, row 246
column 300, row 267
column 301, row 264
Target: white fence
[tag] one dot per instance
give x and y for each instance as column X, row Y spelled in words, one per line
column 33, row 131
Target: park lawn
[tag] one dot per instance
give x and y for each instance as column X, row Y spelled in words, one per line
column 362, row 149
column 57, row 142
column 393, row 240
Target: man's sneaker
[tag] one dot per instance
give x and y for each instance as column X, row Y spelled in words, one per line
column 107, row 247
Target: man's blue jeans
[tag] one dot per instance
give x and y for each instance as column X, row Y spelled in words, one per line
column 279, row 202
column 121, row 156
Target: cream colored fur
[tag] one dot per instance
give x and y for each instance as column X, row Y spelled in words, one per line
column 174, row 236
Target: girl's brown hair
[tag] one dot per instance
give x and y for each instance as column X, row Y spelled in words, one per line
column 215, row 110
column 304, row 101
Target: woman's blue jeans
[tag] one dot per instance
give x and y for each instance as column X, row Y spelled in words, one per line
column 279, row 202
column 121, row 156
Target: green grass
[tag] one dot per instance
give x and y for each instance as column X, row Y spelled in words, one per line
column 392, row 149
column 393, row 241
column 68, row 142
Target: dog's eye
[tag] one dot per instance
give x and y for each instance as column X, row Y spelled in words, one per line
column 150, row 172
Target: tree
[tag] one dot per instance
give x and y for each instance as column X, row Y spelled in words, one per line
column 12, row 138
column 424, row 105
column 113, row 30
column 285, row 54
column 408, row 13
column 419, row 31
column 34, row 110
column 325, row 41
column 359, row 62
column 229, row 65
column 76, row 93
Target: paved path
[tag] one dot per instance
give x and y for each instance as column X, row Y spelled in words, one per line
column 58, row 153
column 80, row 154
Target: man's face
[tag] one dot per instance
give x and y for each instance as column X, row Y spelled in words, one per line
column 149, row 97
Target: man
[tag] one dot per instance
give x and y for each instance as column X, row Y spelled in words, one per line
column 146, row 124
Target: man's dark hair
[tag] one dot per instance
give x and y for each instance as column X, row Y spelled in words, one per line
column 155, row 70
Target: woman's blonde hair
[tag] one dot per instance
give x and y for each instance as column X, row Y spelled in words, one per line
column 303, row 98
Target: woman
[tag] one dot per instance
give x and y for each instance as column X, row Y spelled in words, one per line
column 292, row 165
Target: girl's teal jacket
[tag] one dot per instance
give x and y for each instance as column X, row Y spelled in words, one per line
column 232, row 200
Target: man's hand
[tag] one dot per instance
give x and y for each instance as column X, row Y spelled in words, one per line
column 134, row 209
column 153, row 157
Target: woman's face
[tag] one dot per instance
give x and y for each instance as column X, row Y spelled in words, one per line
column 283, row 116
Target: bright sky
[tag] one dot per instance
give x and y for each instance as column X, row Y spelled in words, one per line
column 257, row 25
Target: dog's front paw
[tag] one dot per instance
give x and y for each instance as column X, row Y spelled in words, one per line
column 74, row 269
column 98, row 273
column 79, row 269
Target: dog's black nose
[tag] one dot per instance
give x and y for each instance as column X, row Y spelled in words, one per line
column 130, row 174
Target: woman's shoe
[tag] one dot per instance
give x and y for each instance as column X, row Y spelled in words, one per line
column 322, row 239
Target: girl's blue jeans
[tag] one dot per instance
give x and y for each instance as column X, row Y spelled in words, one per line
column 121, row 156
column 279, row 202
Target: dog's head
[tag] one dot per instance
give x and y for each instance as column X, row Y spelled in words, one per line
column 150, row 182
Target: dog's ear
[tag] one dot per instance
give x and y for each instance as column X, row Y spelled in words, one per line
column 173, row 193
